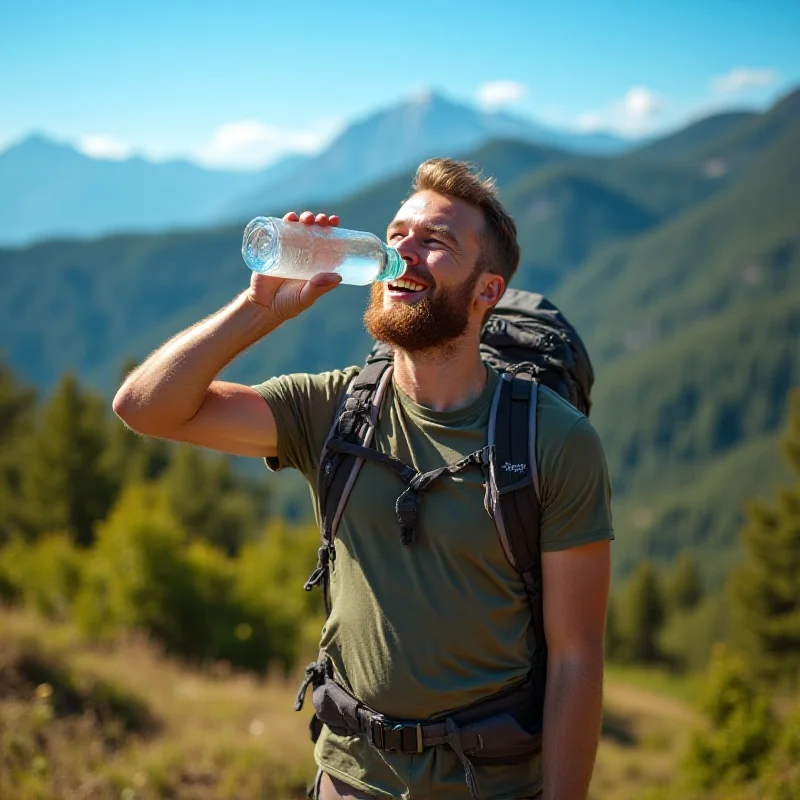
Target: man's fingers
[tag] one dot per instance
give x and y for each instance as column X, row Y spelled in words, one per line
column 308, row 218
column 318, row 285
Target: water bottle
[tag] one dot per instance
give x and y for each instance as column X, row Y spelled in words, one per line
column 272, row 246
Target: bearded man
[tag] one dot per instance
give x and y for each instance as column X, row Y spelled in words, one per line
column 418, row 632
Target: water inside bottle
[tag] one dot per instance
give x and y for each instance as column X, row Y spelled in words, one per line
column 358, row 266
column 293, row 250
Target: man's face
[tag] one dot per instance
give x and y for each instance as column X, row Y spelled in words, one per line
column 439, row 238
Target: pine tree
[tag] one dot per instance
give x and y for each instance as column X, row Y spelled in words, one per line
column 17, row 404
column 643, row 615
column 65, row 485
column 767, row 587
column 683, row 587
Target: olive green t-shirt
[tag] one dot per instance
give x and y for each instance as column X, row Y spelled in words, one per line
column 422, row 629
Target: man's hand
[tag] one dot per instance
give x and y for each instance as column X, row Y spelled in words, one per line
column 287, row 298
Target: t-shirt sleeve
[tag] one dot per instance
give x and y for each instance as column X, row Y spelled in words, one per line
column 303, row 406
column 576, row 492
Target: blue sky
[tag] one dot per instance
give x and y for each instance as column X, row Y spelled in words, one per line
column 237, row 84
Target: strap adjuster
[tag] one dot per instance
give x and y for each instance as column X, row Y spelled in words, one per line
column 400, row 737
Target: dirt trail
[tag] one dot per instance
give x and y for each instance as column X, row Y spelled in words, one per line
column 624, row 698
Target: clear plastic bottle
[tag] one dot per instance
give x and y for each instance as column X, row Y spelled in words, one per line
column 271, row 246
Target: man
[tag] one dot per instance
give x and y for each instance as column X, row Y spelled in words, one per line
column 436, row 626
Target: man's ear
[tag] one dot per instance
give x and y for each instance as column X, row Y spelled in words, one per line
column 492, row 288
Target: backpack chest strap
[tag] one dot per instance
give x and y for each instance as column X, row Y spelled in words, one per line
column 416, row 482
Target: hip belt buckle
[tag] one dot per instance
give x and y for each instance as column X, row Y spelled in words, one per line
column 401, row 737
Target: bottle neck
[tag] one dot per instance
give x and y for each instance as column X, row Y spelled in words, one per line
column 393, row 264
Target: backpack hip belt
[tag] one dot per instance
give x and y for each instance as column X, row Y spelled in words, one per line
column 504, row 728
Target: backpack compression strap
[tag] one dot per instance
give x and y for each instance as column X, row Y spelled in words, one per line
column 354, row 423
column 514, row 492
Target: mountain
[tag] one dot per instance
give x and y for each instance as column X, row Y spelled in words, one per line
column 564, row 214
column 392, row 140
column 685, row 287
column 694, row 329
column 734, row 249
column 123, row 294
column 692, row 137
column 50, row 189
column 190, row 273
column 724, row 144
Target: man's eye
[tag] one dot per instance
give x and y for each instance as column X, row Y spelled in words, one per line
column 395, row 236
column 433, row 241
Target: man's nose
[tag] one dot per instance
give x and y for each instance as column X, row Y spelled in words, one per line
column 407, row 251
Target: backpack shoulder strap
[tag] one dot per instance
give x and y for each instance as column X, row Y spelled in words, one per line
column 354, row 423
column 514, row 491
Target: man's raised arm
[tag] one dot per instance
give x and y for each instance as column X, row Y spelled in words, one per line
column 173, row 393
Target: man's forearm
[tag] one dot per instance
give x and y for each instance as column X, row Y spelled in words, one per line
column 572, row 719
column 169, row 387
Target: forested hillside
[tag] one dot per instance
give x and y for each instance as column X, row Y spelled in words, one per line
column 679, row 264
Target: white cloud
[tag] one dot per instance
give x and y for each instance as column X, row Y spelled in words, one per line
column 104, row 147
column 249, row 144
column 642, row 103
column 634, row 114
column 496, row 94
column 741, row 78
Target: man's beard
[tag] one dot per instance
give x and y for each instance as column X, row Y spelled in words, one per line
column 429, row 324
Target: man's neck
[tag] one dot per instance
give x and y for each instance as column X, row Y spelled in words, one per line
column 445, row 379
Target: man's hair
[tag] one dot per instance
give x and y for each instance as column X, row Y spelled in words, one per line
column 499, row 249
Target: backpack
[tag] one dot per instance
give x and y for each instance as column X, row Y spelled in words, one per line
column 529, row 342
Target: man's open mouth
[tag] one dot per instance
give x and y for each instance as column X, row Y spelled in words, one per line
column 405, row 287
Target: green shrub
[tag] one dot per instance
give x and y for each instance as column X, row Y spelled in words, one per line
column 192, row 598
column 45, row 575
column 136, row 576
column 782, row 781
column 12, row 557
column 270, row 575
column 741, row 728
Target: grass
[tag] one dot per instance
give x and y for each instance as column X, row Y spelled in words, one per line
column 81, row 721
column 647, row 722
column 654, row 679
column 217, row 735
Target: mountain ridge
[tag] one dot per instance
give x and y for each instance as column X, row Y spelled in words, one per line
column 688, row 299
column 49, row 188
column 389, row 140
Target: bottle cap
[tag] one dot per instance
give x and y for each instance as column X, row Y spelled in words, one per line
column 394, row 267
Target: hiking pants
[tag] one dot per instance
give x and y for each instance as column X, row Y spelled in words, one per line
column 329, row 788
